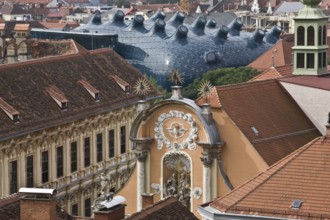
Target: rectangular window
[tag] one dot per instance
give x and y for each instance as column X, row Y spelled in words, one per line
column 74, row 156
column 111, row 143
column 44, row 166
column 87, row 207
column 74, row 209
column 29, row 171
column 87, row 152
column 300, row 60
column 319, row 60
column 310, row 60
column 59, row 161
column 325, row 61
column 122, row 139
column 99, row 151
column 13, row 176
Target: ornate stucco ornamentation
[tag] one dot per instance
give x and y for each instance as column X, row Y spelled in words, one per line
column 197, row 192
column 156, row 187
column 177, row 139
column 207, row 159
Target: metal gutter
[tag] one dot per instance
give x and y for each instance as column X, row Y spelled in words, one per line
column 209, row 213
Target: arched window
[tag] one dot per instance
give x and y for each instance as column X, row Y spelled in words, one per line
column 324, row 35
column 310, row 36
column 320, row 35
column 300, row 36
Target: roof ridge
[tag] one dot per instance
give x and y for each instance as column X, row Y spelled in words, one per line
column 243, row 84
column 167, row 200
column 40, row 60
column 9, row 198
column 276, row 167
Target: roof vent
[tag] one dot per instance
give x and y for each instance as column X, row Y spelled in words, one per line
column 296, row 204
column 58, row 96
column 123, row 85
column 9, row 110
column 90, row 89
column 255, row 131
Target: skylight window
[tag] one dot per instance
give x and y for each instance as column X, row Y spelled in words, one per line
column 58, row 96
column 255, row 131
column 90, row 89
column 9, row 110
column 296, row 204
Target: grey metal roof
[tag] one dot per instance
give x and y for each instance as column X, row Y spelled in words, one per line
column 288, row 7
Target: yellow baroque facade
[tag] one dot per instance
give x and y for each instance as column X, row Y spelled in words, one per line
column 76, row 189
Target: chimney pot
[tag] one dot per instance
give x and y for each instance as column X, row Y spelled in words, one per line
column 147, row 200
column 176, row 92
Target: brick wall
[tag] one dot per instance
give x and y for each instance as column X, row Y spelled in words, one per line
column 37, row 209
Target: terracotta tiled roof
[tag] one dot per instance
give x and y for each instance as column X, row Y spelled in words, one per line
column 282, row 56
column 169, row 208
column 274, row 72
column 10, row 209
column 77, row 1
column 310, row 81
column 302, row 175
column 156, row 7
column 281, row 125
column 2, row 26
column 30, row 1
column 53, row 25
column 23, row 85
column 22, row 27
column 213, row 99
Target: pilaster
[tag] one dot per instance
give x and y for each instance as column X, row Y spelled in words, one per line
column 141, row 148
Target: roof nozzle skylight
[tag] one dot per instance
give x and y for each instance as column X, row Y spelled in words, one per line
column 255, row 131
column 9, row 110
column 296, row 204
column 58, row 96
column 122, row 83
column 90, row 89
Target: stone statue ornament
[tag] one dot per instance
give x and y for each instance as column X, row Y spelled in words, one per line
column 179, row 188
column 105, row 180
column 97, row 204
column 105, row 195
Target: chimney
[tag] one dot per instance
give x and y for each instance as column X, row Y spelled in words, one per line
column 37, row 203
column 206, row 112
column 176, row 92
column 110, row 208
column 147, row 200
column 142, row 105
column 114, row 213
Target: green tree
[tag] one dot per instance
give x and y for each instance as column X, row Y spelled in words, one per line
column 220, row 77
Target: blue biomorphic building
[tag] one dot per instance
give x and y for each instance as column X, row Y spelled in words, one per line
column 157, row 46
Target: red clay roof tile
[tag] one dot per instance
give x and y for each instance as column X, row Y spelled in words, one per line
column 302, row 175
column 282, row 126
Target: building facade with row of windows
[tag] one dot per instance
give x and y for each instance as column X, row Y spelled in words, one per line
column 65, row 121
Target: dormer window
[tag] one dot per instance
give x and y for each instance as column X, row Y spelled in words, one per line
column 90, row 89
column 124, row 85
column 9, row 110
column 58, row 96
